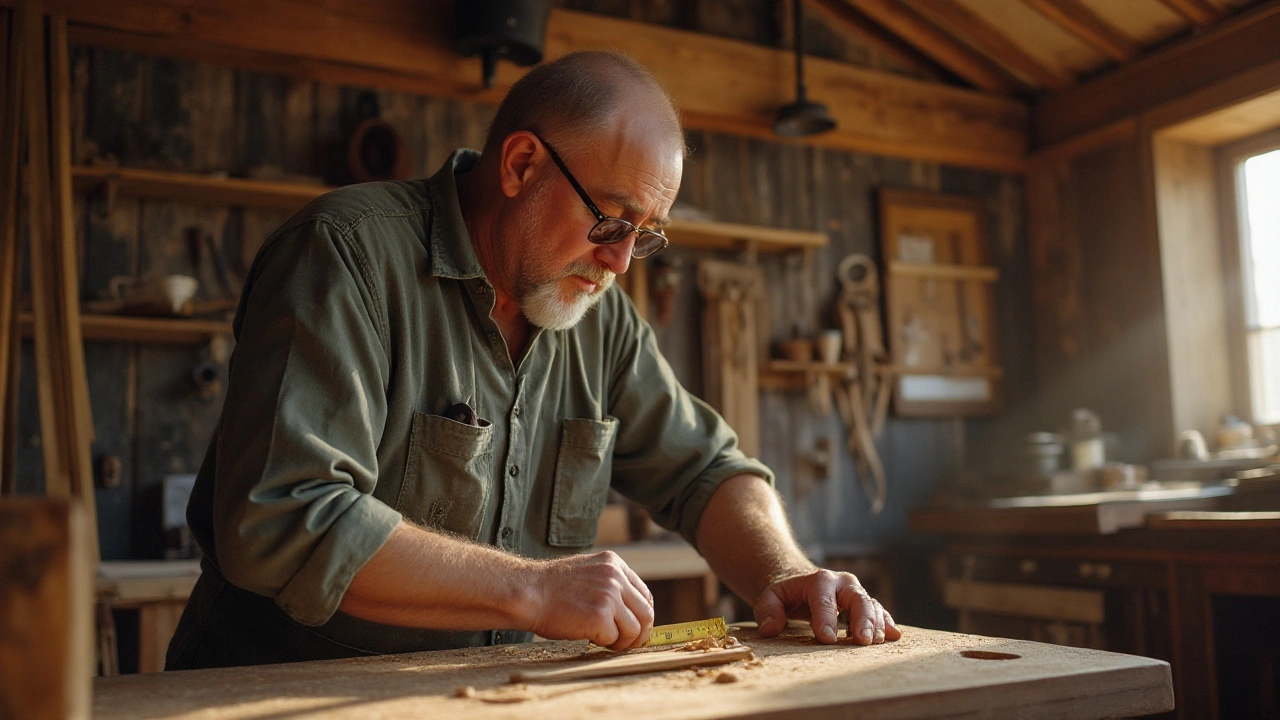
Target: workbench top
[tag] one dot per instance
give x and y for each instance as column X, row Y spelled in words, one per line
column 924, row 675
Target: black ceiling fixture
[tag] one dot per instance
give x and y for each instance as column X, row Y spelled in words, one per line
column 801, row 118
column 492, row 29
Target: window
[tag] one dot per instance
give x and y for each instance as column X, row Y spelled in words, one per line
column 1259, row 182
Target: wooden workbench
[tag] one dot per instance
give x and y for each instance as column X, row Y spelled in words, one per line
column 924, row 675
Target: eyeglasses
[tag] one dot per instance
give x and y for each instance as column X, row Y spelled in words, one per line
column 610, row 230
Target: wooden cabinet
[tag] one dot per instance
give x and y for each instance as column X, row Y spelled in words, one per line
column 1198, row 589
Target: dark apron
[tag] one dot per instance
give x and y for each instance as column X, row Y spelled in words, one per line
column 224, row 625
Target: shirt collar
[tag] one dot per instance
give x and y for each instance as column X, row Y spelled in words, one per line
column 450, row 253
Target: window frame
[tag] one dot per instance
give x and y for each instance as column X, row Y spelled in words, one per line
column 1230, row 160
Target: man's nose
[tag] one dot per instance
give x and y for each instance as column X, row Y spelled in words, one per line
column 616, row 257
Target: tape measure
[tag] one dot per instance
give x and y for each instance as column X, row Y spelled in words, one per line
column 686, row 631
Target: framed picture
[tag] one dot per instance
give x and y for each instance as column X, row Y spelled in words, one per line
column 939, row 291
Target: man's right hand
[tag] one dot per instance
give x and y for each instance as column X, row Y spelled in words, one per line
column 596, row 597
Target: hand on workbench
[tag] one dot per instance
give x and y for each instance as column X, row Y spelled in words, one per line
column 596, row 597
column 819, row 597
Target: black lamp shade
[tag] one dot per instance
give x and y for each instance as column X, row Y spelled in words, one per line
column 803, row 118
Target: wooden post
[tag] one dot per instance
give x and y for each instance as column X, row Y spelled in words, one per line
column 730, row 360
column 65, row 426
column 10, row 142
column 46, row 609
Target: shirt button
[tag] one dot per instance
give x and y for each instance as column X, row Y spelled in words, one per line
column 493, row 337
column 482, row 289
column 506, row 533
column 497, row 638
column 513, row 471
column 516, row 411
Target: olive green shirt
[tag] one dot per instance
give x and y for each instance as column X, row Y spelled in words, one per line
column 363, row 319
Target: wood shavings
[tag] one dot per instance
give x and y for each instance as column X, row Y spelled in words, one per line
column 727, row 677
column 711, row 643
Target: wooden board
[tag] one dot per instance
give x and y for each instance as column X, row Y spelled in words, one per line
column 405, row 45
column 635, row 663
column 921, row 676
column 1100, row 513
column 46, row 609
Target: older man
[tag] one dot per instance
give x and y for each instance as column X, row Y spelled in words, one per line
column 435, row 384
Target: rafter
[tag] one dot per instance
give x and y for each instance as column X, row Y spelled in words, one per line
column 994, row 44
column 1197, row 12
column 950, row 53
column 849, row 21
column 406, row 45
column 1075, row 17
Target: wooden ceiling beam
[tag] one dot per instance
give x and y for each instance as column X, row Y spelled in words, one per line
column 1076, row 18
column 950, row 53
column 1236, row 60
column 851, row 22
column 1200, row 13
column 994, row 44
column 406, row 44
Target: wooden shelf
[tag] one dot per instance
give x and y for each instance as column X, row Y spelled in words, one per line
column 124, row 328
column 240, row 192
column 203, row 189
column 980, row 273
column 784, row 375
column 731, row 236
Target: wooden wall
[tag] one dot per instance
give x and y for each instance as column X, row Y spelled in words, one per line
column 1101, row 338
column 154, row 112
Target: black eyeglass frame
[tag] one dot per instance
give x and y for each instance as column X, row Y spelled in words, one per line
column 601, row 218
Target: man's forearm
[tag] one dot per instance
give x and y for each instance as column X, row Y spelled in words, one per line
column 420, row 578
column 745, row 537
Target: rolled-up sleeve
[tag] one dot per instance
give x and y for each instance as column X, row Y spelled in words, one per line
column 673, row 450
column 294, row 517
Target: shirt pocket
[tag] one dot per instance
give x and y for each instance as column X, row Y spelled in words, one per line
column 581, row 481
column 446, row 477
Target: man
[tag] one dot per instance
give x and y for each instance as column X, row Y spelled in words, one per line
column 434, row 387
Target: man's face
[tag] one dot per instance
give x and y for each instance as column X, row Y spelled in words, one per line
column 558, row 274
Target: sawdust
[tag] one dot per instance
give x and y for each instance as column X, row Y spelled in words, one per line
column 464, row 691
column 709, row 643
column 727, row 677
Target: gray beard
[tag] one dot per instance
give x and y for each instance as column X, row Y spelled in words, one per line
column 546, row 307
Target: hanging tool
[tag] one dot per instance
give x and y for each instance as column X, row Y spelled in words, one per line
column 864, row 401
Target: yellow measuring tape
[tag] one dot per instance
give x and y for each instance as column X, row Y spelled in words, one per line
column 686, row 631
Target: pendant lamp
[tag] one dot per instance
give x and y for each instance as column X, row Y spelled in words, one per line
column 802, row 118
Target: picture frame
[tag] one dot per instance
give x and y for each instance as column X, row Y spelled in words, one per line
column 940, row 304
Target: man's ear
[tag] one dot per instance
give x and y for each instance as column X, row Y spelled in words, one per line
column 517, row 162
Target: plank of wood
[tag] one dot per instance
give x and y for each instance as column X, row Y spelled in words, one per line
column 907, row 24
column 1200, row 13
column 995, row 44
column 67, row 280
column 738, row 87
column 10, row 141
column 1210, row 520
column 1047, row 603
column 1076, row 17
column 48, row 349
column 46, row 609
column 122, row 328
column 636, row 664
column 926, row 674
column 1240, row 46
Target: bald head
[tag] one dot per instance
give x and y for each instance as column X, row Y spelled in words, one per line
column 578, row 96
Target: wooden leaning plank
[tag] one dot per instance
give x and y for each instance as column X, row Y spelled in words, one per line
column 644, row 662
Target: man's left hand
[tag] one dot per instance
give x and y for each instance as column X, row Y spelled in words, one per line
column 820, row 597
